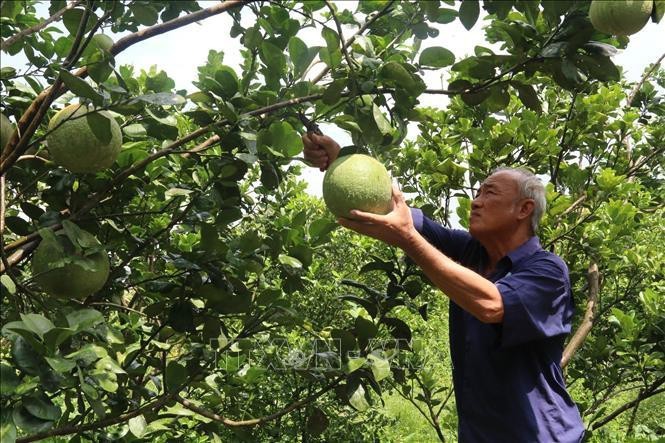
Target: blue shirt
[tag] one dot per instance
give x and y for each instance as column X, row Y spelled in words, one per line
column 508, row 381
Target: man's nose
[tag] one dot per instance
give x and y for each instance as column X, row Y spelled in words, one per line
column 475, row 203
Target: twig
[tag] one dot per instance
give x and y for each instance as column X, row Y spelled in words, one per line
column 32, row 116
column 625, row 140
column 257, row 421
column 340, row 36
column 590, row 315
column 38, row 27
column 651, row 391
column 351, row 39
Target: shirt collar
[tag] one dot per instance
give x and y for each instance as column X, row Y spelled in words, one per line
column 526, row 249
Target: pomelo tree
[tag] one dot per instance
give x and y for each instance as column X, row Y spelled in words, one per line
column 234, row 309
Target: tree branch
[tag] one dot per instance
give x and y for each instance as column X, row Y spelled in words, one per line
column 32, row 117
column 66, row 430
column 38, row 27
column 351, row 39
column 650, row 392
column 257, row 421
column 626, row 140
column 593, row 277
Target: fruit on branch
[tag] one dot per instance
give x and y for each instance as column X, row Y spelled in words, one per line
column 64, row 269
column 357, row 181
column 83, row 140
column 620, row 17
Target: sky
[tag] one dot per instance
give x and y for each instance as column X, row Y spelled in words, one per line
column 181, row 51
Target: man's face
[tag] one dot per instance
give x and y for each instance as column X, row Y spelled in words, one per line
column 496, row 208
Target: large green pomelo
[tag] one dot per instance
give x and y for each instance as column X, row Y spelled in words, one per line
column 620, row 17
column 71, row 280
column 6, row 130
column 357, row 181
column 75, row 146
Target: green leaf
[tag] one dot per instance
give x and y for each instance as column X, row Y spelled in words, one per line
column 137, row 425
column 28, row 422
column 176, row 374
column 73, row 17
column 365, row 329
column 100, row 66
column 380, row 367
column 658, row 11
column 79, row 236
column 289, row 261
column 331, row 54
column 354, row 364
column 181, row 316
column 283, row 137
column 468, row 13
column 228, row 82
column 144, row 14
column 42, row 407
column 80, row 87
column 7, row 427
column 10, row 9
column 83, row 319
column 273, row 57
column 398, row 75
column 8, row 283
column 332, row 93
column 25, row 357
column 301, row 55
column 36, row 323
column 317, row 422
column 56, row 336
column 398, row 328
column 100, row 126
column 357, row 399
column 88, row 354
column 61, row 365
column 528, row 96
column 163, row 99
column 436, row 57
column 381, row 121
column 9, row 381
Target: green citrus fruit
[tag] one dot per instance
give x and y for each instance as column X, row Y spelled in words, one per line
column 79, row 147
column 357, row 181
column 6, row 129
column 620, row 17
column 71, row 280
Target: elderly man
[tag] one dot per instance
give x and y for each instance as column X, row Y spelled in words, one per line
column 510, row 304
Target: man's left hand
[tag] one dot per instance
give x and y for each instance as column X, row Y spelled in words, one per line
column 395, row 228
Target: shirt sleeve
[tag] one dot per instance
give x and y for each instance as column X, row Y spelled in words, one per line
column 452, row 242
column 536, row 302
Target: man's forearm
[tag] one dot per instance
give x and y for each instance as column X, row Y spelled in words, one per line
column 473, row 293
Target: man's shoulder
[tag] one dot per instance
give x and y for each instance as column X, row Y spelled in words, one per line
column 546, row 260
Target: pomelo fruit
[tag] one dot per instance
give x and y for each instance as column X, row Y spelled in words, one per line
column 80, row 275
column 620, row 17
column 6, row 130
column 357, row 181
column 76, row 146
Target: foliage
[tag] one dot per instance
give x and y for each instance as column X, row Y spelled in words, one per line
column 235, row 309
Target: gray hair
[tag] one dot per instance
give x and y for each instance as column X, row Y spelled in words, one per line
column 529, row 186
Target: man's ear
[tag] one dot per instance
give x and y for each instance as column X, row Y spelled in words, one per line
column 526, row 208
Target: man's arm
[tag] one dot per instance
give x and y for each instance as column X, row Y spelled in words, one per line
column 473, row 293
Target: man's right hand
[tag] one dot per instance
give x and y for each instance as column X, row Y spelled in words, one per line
column 320, row 150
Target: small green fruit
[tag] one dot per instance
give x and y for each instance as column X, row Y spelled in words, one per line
column 76, row 146
column 6, row 130
column 620, row 17
column 71, row 281
column 357, row 181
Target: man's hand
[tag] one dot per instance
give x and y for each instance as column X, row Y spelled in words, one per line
column 395, row 228
column 320, row 150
